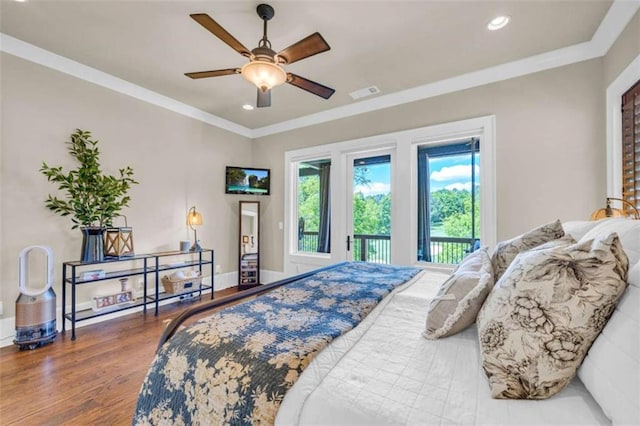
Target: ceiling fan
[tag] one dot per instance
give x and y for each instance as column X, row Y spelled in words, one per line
column 265, row 66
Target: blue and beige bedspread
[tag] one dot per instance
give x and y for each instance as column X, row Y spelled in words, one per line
column 235, row 366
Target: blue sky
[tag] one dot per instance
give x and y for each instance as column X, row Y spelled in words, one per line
column 451, row 172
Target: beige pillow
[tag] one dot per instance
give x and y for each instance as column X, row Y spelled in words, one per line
column 506, row 251
column 460, row 297
column 539, row 321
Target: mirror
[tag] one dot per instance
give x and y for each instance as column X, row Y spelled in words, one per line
column 249, row 242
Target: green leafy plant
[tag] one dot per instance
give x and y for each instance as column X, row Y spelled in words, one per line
column 92, row 198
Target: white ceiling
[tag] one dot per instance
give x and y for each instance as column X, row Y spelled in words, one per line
column 394, row 45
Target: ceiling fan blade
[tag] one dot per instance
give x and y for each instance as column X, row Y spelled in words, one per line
column 264, row 98
column 214, row 73
column 217, row 30
column 306, row 47
column 310, row 86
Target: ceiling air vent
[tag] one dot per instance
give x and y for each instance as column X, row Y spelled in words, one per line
column 363, row 93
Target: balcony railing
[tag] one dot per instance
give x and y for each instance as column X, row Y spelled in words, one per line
column 377, row 248
column 450, row 250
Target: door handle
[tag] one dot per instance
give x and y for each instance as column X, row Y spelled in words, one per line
column 348, row 242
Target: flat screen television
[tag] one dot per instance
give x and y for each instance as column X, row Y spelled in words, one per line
column 247, row 180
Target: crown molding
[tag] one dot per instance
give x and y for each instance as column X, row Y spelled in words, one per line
column 21, row 49
column 612, row 25
column 614, row 22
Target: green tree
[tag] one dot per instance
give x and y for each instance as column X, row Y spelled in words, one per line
column 309, row 202
column 365, row 214
column 372, row 214
column 459, row 224
column 446, row 202
column 384, row 224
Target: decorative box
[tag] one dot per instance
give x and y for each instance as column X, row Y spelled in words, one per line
column 113, row 301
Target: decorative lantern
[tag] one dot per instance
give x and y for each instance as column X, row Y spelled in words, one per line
column 118, row 242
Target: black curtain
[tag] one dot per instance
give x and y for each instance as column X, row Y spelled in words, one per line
column 424, row 230
column 324, row 227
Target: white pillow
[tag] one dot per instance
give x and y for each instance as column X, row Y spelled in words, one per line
column 456, row 305
column 577, row 228
column 628, row 231
column 611, row 369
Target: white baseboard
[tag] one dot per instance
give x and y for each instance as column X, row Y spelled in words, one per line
column 222, row 282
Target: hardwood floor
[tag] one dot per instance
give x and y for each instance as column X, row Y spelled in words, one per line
column 92, row 380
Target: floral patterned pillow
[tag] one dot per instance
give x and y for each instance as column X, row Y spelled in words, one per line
column 460, row 297
column 539, row 321
column 506, row 251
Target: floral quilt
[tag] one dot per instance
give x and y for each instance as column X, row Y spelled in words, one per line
column 235, row 366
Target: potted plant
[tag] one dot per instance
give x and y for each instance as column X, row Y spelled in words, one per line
column 93, row 199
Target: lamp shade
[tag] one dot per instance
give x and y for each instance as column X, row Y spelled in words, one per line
column 193, row 217
column 263, row 74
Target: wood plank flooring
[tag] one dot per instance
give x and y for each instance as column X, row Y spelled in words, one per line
column 92, row 380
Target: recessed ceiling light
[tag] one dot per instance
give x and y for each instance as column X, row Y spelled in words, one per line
column 498, row 22
column 248, row 107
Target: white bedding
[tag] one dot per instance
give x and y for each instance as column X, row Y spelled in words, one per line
column 385, row 372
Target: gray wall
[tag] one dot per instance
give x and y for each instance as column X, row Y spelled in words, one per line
column 549, row 146
column 178, row 161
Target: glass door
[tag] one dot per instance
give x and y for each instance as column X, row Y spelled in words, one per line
column 369, row 207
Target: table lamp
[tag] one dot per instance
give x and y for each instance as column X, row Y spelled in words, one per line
column 194, row 219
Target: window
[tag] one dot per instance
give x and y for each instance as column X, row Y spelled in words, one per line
column 303, row 191
column 631, row 146
column 314, row 206
column 448, row 201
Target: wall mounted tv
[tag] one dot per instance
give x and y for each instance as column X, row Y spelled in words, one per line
column 247, row 180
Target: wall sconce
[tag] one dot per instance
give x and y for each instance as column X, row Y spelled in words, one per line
column 613, row 212
column 194, row 219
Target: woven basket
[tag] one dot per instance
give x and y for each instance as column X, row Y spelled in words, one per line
column 181, row 286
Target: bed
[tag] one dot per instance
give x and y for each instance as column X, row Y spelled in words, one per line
column 373, row 366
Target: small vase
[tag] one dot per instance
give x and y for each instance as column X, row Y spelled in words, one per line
column 92, row 244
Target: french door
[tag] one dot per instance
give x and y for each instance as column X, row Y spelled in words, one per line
column 368, row 207
column 340, row 208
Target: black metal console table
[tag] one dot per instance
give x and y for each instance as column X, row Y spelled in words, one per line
column 142, row 266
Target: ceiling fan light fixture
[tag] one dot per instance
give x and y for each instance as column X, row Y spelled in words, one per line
column 265, row 75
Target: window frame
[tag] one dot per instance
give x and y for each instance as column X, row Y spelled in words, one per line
column 616, row 89
column 404, row 186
